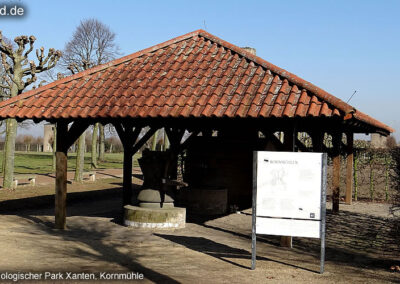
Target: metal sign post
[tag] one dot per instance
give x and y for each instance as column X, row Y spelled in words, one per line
column 289, row 196
column 254, row 213
column 323, row 211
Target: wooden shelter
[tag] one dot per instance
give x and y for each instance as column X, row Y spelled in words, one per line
column 199, row 83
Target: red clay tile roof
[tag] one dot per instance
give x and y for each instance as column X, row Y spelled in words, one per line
column 194, row 75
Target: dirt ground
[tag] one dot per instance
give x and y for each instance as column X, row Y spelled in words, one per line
column 213, row 250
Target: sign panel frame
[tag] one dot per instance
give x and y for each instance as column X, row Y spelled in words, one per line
column 289, row 225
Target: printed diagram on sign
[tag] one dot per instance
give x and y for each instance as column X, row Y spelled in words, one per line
column 278, row 177
column 288, row 186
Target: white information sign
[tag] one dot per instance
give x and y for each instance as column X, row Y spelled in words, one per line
column 289, row 194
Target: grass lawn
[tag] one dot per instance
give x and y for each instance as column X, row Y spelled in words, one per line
column 41, row 163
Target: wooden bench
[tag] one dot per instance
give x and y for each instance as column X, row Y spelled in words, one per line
column 30, row 178
column 90, row 175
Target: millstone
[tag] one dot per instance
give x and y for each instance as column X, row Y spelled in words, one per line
column 153, row 196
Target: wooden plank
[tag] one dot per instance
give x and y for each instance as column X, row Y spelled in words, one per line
column 61, row 177
column 336, row 139
column 349, row 168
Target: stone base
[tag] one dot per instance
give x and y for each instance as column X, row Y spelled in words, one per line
column 156, row 205
column 140, row 217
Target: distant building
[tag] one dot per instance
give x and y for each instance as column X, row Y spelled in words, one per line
column 378, row 141
column 48, row 137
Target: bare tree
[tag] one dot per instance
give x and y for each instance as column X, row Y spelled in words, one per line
column 92, row 43
column 20, row 72
column 27, row 140
column 391, row 142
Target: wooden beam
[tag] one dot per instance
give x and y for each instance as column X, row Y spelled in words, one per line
column 128, row 138
column 289, row 140
column 126, row 134
column 192, row 136
column 270, row 137
column 61, row 176
column 317, row 138
column 336, row 141
column 175, row 136
column 349, row 168
column 301, row 146
column 139, row 144
column 76, row 130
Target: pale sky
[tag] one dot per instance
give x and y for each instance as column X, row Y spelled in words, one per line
column 340, row 46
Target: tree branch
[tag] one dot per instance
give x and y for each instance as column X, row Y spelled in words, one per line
column 5, row 86
column 21, row 41
column 4, row 47
column 32, row 39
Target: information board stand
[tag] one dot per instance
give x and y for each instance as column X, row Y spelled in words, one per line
column 289, row 196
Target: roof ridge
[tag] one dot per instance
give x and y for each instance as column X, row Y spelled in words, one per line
column 101, row 67
column 320, row 93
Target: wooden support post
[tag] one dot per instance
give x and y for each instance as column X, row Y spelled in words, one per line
column 273, row 141
column 336, row 140
column 61, row 177
column 64, row 139
column 349, row 168
column 127, row 177
column 128, row 138
column 289, row 139
column 317, row 141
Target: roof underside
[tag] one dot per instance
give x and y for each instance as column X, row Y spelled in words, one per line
column 195, row 75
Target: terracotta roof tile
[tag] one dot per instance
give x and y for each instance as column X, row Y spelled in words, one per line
column 193, row 75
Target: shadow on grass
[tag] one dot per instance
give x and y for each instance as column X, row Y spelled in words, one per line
column 47, row 201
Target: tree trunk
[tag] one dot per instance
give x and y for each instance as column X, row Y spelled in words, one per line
column 80, row 158
column 9, row 152
column 101, row 142
column 3, row 165
column 94, row 146
column 11, row 134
